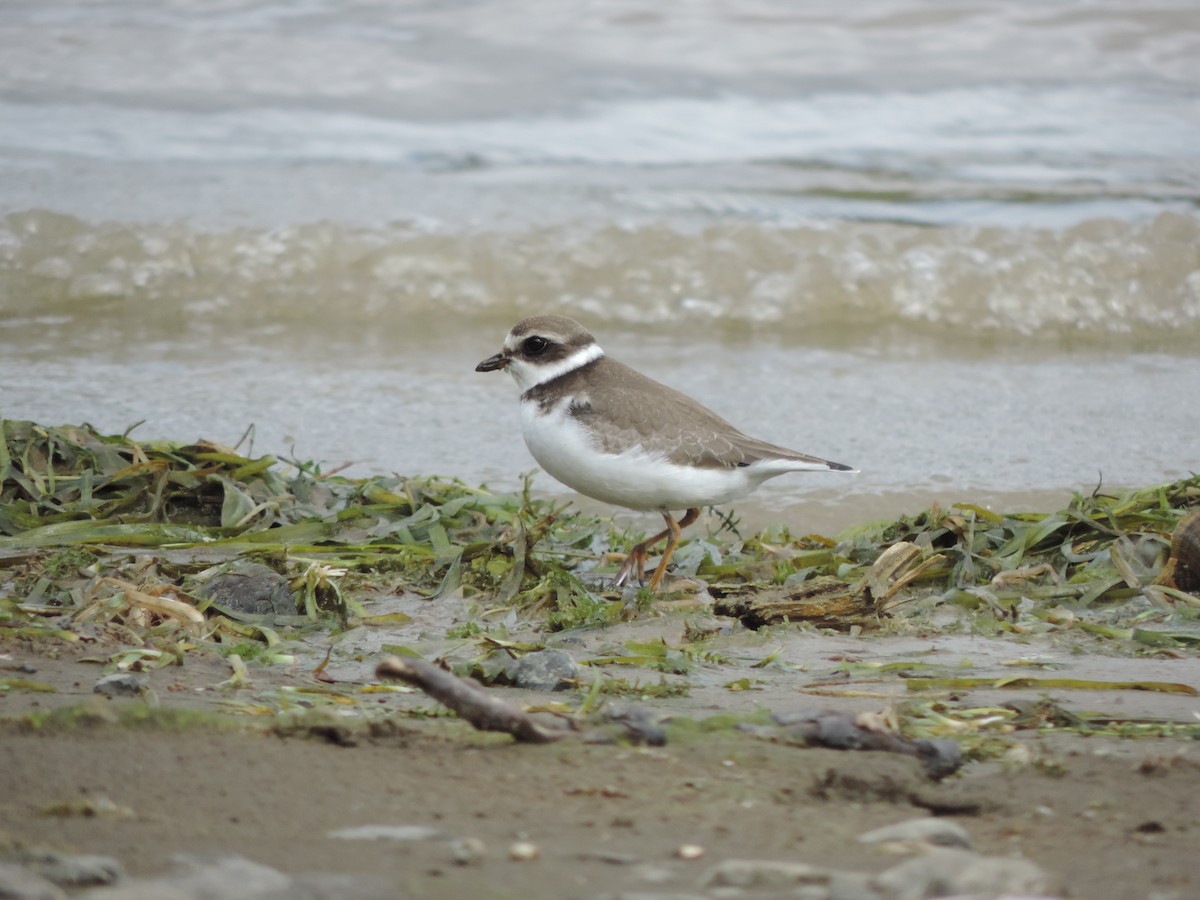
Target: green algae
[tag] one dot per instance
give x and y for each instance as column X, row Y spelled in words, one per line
column 89, row 523
column 133, row 714
column 78, row 508
column 72, row 494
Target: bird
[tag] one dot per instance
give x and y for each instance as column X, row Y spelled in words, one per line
column 618, row 436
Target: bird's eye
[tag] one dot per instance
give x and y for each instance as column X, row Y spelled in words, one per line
column 535, row 346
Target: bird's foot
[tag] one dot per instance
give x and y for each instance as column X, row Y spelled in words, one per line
column 635, row 561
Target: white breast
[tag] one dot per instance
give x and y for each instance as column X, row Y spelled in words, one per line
column 634, row 479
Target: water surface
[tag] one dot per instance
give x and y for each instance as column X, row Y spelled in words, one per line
column 958, row 247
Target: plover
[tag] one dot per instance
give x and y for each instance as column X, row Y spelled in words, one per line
column 613, row 434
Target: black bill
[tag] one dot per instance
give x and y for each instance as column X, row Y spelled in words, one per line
column 492, row 363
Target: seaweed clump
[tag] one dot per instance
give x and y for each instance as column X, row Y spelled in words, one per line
column 111, row 528
column 1103, row 564
column 117, row 529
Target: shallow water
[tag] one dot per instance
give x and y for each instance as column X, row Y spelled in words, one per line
column 957, row 248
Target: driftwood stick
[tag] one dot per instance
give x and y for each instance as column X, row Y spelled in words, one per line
column 467, row 698
column 842, row 731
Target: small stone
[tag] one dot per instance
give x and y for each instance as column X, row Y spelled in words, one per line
column 524, row 851
column 545, row 670
column 467, row 851
column 121, row 684
column 941, row 756
column 926, row 830
column 201, row 877
column 652, row 874
column 251, row 588
column 948, row 871
column 19, row 883
column 73, row 870
column 642, row 725
column 743, row 873
column 386, row 832
column 689, row 851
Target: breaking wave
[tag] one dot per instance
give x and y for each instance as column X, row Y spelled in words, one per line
column 1097, row 280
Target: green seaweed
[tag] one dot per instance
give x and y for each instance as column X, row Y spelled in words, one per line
column 79, row 510
column 1073, row 684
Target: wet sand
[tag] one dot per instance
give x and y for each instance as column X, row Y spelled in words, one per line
column 1105, row 817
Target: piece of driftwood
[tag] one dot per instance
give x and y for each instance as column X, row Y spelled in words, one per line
column 844, row 731
column 832, row 603
column 468, row 699
column 1182, row 570
column 825, row 601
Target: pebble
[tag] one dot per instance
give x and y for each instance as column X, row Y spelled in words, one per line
column 925, row 830
column 940, row 756
column 946, row 872
column 744, row 873
column 251, row 588
column 641, row 725
column 19, row 883
column 467, row 851
column 545, row 670
column 121, row 684
column 801, row 881
column 72, row 870
column 205, row 878
column 231, row 876
column 524, row 851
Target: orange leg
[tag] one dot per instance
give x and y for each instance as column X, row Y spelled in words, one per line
column 636, row 560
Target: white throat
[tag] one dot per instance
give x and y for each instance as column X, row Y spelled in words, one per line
column 531, row 374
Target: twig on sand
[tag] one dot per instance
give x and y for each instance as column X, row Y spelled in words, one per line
column 468, row 699
column 870, row 731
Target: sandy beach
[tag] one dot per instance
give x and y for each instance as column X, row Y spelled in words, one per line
column 260, row 247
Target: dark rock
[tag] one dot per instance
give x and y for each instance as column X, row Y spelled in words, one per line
column 842, row 731
column 121, row 684
column 642, row 726
column 545, row 670
column 940, row 756
column 251, row 588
